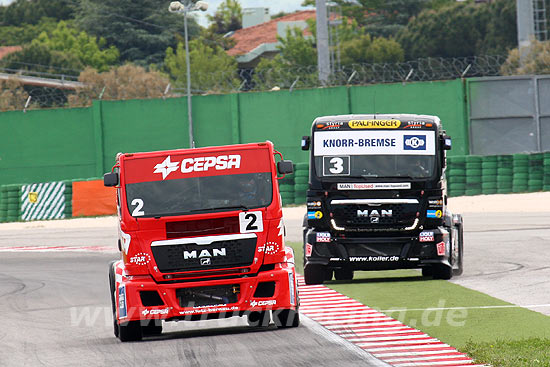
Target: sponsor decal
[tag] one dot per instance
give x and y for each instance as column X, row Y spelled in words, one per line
column 417, row 124
column 441, row 249
column 323, row 236
column 426, row 236
column 414, row 142
column 209, row 309
column 198, row 164
column 270, row 302
column 374, row 258
column 343, row 143
column 374, row 124
column 163, row 311
column 434, row 214
column 122, row 301
column 194, row 254
column 270, row 248
column 141, row 258
column 315, row 215
column 313, row 204
column 374, row 186
column 330, row 125
column 309, row 249
column 436, row 203
column 33, row 197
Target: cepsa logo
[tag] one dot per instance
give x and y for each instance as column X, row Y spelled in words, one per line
column 198, row 164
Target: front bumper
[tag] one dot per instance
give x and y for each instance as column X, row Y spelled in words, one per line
column 130, row 300
column 378, row 253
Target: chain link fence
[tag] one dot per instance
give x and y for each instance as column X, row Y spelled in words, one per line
column 25, row 90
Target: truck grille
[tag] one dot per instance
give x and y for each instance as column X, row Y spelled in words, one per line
column 215, row 255
column 374, row 217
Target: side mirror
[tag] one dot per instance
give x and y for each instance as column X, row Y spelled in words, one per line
column 306, row 141
column 446, row 142
column 110, row 179
column 285, row 167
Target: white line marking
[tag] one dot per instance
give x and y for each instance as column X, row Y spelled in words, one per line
column 464, row 308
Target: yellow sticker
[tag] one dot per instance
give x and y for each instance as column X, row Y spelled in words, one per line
column 374, row 124
column 33, row 197
column 318, row 214
column 439, row 214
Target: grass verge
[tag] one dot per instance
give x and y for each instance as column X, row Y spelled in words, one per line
column 466, row 319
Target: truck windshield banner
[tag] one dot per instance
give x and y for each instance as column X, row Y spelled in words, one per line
column 177, row 166
column 328, row 143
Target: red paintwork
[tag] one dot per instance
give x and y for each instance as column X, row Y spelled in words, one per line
column 136, row 276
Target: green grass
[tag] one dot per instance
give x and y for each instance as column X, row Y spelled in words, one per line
column 532, row 352
column 471, row 330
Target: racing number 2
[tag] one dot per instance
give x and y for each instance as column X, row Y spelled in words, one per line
column 251, row 222
column 137, row 212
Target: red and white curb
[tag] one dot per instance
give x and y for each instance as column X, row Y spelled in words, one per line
column 384, row 337
column 59, row 249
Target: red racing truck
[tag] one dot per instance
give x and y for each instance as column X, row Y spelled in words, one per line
column 201, row 237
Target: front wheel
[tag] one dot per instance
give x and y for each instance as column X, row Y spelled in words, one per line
column 458, row 267
column 315, row 274
column 343, row 274
column 286, row 318
column 441, row 271
column 130, row 331
column 112, row 288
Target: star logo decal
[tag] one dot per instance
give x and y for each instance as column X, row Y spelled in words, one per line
column 166, row 167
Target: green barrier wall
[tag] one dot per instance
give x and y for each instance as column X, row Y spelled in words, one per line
column 61, row 144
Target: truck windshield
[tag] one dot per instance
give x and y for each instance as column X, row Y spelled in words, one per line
column 407, row 166
column 199, row 194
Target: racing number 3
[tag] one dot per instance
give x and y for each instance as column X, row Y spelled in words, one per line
column 251, row 222
column 333, row 166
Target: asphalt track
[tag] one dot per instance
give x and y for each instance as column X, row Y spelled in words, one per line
column 54, row 307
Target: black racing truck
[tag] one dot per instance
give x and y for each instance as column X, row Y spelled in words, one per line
column 377, row 198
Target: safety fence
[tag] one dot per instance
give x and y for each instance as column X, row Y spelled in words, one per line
column 56, row 200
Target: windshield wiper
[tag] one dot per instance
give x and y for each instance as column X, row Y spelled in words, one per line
column 242, row 207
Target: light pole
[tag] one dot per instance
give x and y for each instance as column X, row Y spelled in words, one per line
column 185, row 7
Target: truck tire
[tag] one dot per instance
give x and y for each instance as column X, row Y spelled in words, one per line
column 258, row 318
column 153, row 327
column 286, row 318
column 441, row 271
column 130, row 331
column 427, row 271
column 112, row 285
column 314, row 274
column 343, row 274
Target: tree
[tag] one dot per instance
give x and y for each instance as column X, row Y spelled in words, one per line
column 228, row 17
column 381, row 18
column 296, row 61
column 124, row 82
column 536, row 61
column 365, row 49
column 12, row 95
column 38, row 57
column 212, row 70
column 22, row 12
column 461, row 29
column 86, row 48
column 20, row 35
column 141, row 30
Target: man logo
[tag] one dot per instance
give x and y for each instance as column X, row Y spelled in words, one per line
column 206, row 261
column 374, row 213
column 33, row 197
